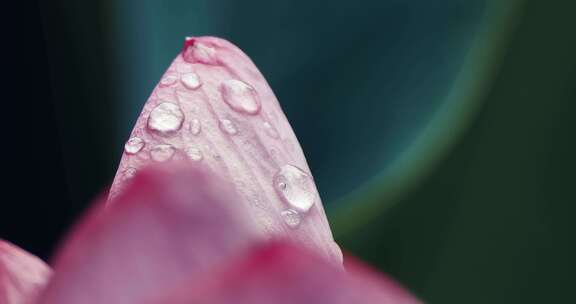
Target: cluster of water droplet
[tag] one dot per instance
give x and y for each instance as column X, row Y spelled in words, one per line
column 293, row 185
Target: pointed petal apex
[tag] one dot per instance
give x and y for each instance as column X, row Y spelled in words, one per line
column 214, row 107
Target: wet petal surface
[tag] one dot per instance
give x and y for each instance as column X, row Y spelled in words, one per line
column 213, row 106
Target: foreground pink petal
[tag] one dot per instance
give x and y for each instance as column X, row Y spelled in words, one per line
column 283, row 274
column 169, row 225
column 214, row 107
column 22, row 275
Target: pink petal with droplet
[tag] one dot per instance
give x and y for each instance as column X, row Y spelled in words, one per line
column 170, row 224
column 281, row 273
column 22, row 275
column 243, row 137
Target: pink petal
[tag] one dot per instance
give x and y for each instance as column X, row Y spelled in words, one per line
column 170, row 224
column 283, row 274
column 213, row 106
column 22, row 275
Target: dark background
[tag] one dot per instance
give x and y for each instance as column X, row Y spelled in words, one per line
column 467, row 206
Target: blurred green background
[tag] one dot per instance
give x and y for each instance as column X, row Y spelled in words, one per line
column 440, row 133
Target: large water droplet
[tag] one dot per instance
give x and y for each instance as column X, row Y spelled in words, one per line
column 195, row 51
column 228, row 126
column 195, row 126
column 134, row 145
column 270, row 130
column 291, row 218
column 194, row 153
column 191, row 81
column 168, row 79
column 240, row 96
column 162, row 153
column 295, row 187
column 165, row 119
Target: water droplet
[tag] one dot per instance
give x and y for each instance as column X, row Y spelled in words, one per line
column 228, row 126
column 165, row 119
column 162, row 153
column 195, row 126
column 269, row 129
column 194, row 153
column 191, row 81
column 295, row 187
column 240, row 96
column 291, row 218
column 168, row 79
column 134, row 145
column 195, row 51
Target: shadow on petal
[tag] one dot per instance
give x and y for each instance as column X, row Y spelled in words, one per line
column 170, row 224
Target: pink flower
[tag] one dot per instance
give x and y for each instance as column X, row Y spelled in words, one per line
column 22, row 275
column 224, row 209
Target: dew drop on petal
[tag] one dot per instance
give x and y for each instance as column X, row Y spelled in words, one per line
column 194, row 153
column 134, row 145
column 195, row 52
column 195, row 126
column 269, row 129
column 295, row 187
column 168, row 79
column 162, row 152
column 228, row 126
column 240, row 96
column 165, row 119
column 191, row 81
column 291, row 218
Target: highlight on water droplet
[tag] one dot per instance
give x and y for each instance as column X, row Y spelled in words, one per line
column 162, row 152
column 228, row 126
column 291, row 218
column 240, row 96
column 134, row 145
column 295, row 187
column 195, row 126
column 194, row 153
column 270, row 130
column 198, row 52
column 165, row 119
column 168, row 79
column 191, row 81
